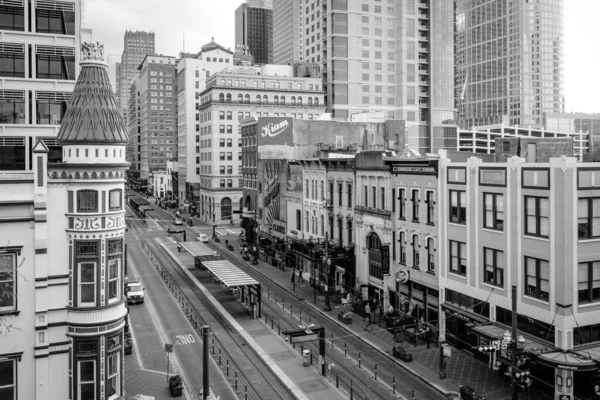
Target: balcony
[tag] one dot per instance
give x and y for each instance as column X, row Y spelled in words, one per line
column 81, row 316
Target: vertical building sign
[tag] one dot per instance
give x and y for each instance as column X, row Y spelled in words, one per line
column 385, row 259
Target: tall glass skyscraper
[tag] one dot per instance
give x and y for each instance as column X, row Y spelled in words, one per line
column 254, row 28
column 395, row 57
column 509, row 58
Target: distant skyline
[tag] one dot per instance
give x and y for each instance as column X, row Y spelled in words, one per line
column 200, row 21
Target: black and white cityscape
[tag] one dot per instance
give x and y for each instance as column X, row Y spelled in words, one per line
column 299, row 199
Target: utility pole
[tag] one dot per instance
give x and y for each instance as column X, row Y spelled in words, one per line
column 205, row 356
column 515, row 394
column 326, row 266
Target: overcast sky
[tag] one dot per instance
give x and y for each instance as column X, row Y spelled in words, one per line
column 200, row 20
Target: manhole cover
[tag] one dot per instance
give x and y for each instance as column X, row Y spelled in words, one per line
column 312, row 386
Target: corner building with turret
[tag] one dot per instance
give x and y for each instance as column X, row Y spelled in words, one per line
column 62, row 229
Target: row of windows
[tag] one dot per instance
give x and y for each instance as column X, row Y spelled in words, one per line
column 263, row 84
column 415, row 244
column 46, row 21
column 227, row 98
column 59, row 67
column 87, row 200
column 536, row 213
column 415, row 198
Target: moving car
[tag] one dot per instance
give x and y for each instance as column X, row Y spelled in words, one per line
column 177, row 221
column 203, row 238
column 135, row 293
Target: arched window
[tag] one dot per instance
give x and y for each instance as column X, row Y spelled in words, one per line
column 228, row 98
column 307, row 227
column 316, row 101
column 314, row 223
column 322, row 225
column 226, row 209
column 282, row 99
column 310, row 101
column 294, row 100
column 415, row 250
column 323, row 192
column 221, row 98
column 299, row 100
column 258, row 98
column 276, row 99
column 402, row 242
column 430, row 255
column 374, row 248
column 247, row 98
column 240, row 98
column 265, row 99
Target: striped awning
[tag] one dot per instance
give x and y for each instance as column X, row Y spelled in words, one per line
column 230, row 275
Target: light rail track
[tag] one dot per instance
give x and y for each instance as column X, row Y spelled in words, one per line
column 245, row 368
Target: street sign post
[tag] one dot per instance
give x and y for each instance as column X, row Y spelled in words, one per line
column 168, row 350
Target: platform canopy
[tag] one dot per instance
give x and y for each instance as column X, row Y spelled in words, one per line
column 197, row 249
column 230, row 275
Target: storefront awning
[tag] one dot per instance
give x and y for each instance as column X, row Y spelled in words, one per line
column 496, row 332
column 461, row 312
column 567, row 360
column 230, row 275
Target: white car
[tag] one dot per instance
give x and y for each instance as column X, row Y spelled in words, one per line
column 135, row 293
column 203, row 238
column 177, row 221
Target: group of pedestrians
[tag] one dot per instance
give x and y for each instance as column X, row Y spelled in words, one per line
column 300, row 277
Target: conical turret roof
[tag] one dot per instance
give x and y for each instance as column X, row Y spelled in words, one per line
column 92, row 116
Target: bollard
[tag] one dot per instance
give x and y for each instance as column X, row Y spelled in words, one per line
column 375, row 372
column 275, row 298
column 245, row 392
column 266, row 320
column 337, row 380
column 219, row 357
column 345, row 350
column 332, row 340
column 351, row 391
column 283, row 303
column 213, row 347
column 358, row 360
column 291, row 309
column 227, row 361
column 393, row 385
column 271, row 322
column 278, row 328
column 268, row 293
column 413, row 395
column 235, row 380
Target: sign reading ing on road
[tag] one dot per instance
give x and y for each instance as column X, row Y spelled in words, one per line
column 168, row 348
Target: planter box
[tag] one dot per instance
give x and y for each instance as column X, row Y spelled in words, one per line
column 345, row 319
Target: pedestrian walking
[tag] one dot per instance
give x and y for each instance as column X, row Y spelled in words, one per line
column 300, row 277
column 368, row 316
column 231, row 222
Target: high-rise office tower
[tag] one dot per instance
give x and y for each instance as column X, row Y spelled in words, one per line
column 509, row 60
column 287, row 32
column 40, row 62
column 154, row 100
column 395, row 57
column 136, row 46
column 254, row 28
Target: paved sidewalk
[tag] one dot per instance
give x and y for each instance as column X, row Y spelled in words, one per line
column 463, row 368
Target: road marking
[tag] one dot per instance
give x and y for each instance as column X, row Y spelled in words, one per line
column 230, row 231
column 219, row 232
column 188, row 338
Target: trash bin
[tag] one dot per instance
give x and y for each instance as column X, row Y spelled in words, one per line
column 306, row 358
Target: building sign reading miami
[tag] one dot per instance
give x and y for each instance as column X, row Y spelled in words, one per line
column 275, row 131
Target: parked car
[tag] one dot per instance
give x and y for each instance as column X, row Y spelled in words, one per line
column 177, row 221
column 135, row 293
column 203, row 238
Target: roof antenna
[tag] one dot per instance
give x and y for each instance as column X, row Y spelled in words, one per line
column 184, row 43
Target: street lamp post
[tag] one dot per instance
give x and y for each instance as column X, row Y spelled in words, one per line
column 326, row 264
column 518, row 344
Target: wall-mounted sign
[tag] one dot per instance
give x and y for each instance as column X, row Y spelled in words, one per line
column 275, row 131
column 279, row 228
column 402, row 276
column 242, row 49
column 412, row 169
column 385, row 259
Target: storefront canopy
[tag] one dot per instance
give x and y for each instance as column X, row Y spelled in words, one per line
column 568, row 360
column 496, row 332
column 230, row 275
column 197, row 249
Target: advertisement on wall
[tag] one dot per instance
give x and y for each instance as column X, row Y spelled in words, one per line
column 275, row 137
